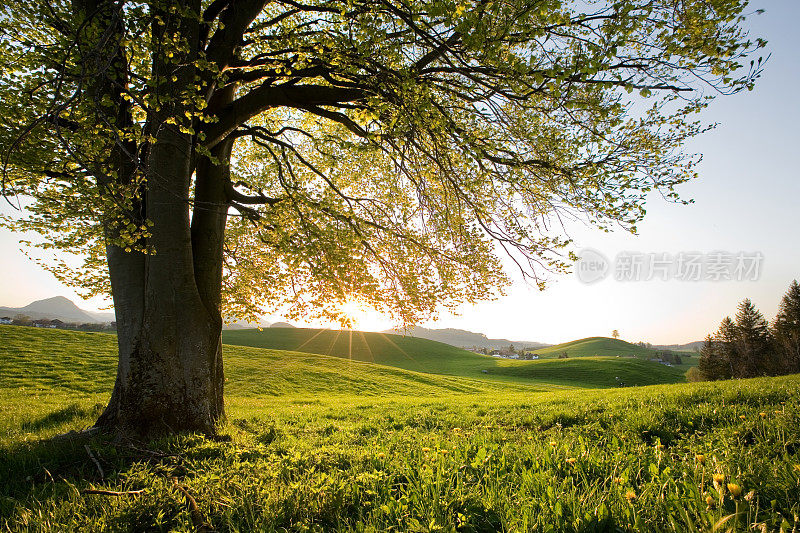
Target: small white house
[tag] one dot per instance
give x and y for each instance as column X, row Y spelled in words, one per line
column 5, row 320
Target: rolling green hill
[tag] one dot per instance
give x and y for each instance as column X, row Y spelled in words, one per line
column 598, row 347
column 422, row 355
column 52, row 361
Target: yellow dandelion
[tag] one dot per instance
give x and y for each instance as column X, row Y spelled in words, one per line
column 381, row 455
column 742, row 417
column 443, row 451
column 530, row 437
column 797, row 467
column 571, row 460
column 456, row 430
column 700, row 458
column 709, row 500
column 718, row 479
column 425, row 450
column 777, row 412
column 734, row 489
column 763, row 414
column 619, row 480
column 630, row 495
column 553, row 443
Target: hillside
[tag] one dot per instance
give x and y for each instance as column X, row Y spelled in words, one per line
column 85, row 363
column 61, row 361
column 597, row 347
column 422, row 355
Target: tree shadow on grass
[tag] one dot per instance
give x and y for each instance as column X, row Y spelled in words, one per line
column 64, row 415
column 76, row 460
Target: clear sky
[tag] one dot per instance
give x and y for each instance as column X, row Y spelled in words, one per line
column 747, row 199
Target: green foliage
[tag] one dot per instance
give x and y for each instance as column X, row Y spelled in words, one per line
column 384, row 153
column 482, row 458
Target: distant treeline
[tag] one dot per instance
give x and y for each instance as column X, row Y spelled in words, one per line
column 24, row 320
column 748, row 346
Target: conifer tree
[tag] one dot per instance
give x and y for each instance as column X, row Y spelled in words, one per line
column 753, row 342
column 709, row 363
column 786, row 330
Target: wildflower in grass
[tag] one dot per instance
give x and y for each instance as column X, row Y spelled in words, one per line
column 700, row 458
column 619, row 480
column 630, row 495
column 797, row 468
column 381, row 455
column 553, row 443
column 763, row 414
column 718, row 479
column 734, row 489
column 425, row 450
column 443, row 451
column 456, row 430
column 742, row 417
column 659, row 446
column 571, row 460
column 709, row 500
column 750, row 496
column 530, row 437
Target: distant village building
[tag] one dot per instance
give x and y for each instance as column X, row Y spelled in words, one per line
column 5, row 320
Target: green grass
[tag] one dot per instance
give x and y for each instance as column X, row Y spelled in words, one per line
column 323, row 444
column 423, row 355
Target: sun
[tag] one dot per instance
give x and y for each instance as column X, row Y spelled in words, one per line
column 363, row 317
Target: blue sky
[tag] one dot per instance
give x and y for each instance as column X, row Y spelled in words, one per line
column 746, row 199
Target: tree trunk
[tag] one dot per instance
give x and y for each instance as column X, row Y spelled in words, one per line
column 169, row 376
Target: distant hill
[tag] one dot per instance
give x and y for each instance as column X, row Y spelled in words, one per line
column 688, row 347
column 281, row 325
column 463, row 338
column 597, row 346
column 432, row 357
column 59, row 308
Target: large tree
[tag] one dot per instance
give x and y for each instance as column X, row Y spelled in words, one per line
column 208, row 158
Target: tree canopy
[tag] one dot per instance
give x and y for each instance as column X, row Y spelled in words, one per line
column 388, row 151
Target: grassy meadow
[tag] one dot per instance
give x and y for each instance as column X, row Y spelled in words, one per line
column 324, row 443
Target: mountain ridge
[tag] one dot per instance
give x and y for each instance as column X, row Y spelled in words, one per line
column 462, row 338
column 57, row 308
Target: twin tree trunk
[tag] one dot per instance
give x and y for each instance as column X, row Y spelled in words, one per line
column 167, row 302
column 170, row 376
